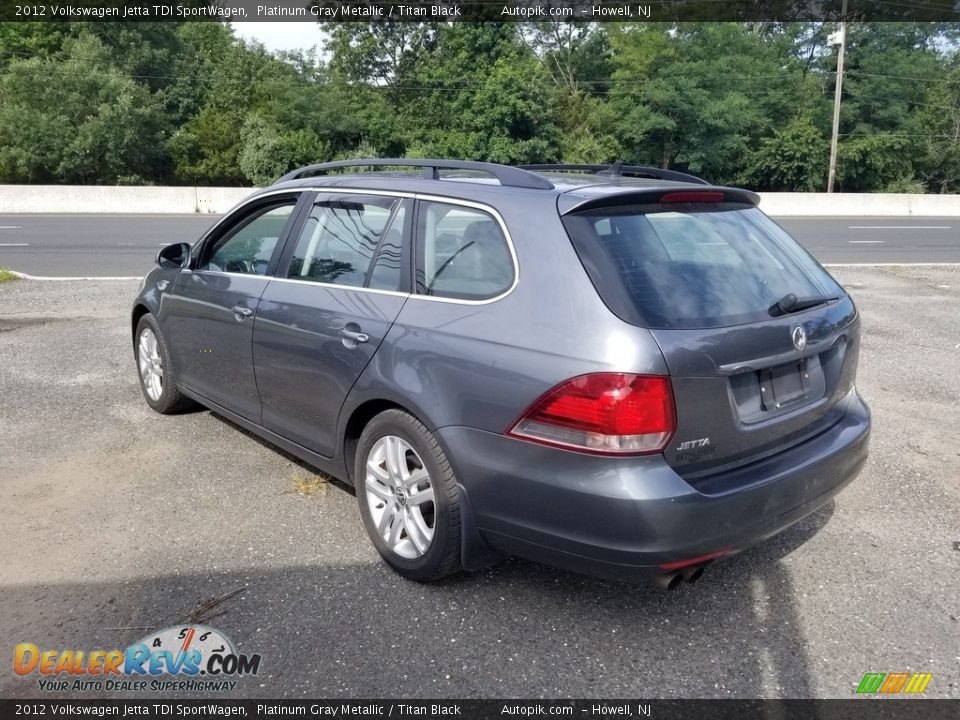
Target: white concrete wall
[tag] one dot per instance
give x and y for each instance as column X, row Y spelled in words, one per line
column 217, row 200
column 117, row 199
column 134, row 200
column 859, row 204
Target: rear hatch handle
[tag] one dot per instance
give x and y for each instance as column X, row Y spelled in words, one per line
column 768, row 361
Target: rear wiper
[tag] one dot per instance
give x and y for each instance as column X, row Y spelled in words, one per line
column 790, row 303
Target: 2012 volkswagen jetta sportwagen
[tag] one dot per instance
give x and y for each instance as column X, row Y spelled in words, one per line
column 620, row 371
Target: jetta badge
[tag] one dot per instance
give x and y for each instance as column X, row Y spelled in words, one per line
column 799, row 336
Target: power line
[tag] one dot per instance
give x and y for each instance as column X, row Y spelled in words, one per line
column 897, row 77
column 896, row 135
column 452, row 88
column 854, row 97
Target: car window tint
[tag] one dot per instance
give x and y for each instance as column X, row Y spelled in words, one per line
column 386, row 269
column 695, row 266
column 339, row 239
column 686, row 238
column 248, row 247
column 463, row 253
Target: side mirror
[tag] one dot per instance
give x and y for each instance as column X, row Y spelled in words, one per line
column 174, row 256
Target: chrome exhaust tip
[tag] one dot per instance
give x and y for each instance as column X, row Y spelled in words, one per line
column 668, row 581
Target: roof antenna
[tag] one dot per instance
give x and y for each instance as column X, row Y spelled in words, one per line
column 613, row 170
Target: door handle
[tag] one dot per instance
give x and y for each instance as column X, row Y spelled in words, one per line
column 354, row 335
column 240, row 312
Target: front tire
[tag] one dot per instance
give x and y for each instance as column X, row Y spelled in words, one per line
column 408, row 497
column 157, row 380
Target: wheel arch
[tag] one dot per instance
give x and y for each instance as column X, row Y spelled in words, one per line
column 139, row 310
column 475, row 552
column 359, row 417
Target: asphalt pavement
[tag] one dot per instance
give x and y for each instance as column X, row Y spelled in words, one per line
column 125, row 245
column 116, row 521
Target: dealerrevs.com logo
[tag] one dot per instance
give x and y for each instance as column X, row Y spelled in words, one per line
column 189, row 657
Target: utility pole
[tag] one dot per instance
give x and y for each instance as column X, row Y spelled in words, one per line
column 842, row 41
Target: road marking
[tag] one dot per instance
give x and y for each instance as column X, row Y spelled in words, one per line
column 864, row 242
column 14, row 244
column 44, row 277
column 899, row 227
column 11, row 227
column 894, row 264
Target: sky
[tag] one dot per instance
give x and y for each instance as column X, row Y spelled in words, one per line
column 281, row 35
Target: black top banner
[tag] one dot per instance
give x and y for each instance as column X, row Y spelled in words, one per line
column 479, row 10
column 380, row 709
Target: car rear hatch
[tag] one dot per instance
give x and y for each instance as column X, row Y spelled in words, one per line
column 760, row 342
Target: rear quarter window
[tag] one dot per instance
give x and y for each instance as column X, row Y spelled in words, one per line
column 462, row 253
column 693, row 265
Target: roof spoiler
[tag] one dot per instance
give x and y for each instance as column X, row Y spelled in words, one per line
column 571, row 202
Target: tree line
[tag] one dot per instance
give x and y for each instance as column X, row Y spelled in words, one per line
column 742, row 104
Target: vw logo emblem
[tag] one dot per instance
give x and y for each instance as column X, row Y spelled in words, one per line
column 799, row 336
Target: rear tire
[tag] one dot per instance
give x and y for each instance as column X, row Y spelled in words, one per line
column 157, row 378
column 408, row 497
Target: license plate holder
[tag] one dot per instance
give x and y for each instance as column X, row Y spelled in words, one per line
column 784, row 385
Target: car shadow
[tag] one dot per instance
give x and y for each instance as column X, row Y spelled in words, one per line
column 290, row 457
column 518, row 629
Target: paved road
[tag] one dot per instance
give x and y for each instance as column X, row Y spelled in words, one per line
column 92, row 245
column 124, row 245
column 116, row 519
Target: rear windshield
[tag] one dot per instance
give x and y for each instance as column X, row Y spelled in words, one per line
column 693, row 265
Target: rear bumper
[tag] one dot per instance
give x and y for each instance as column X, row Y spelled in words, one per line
column 624, row 517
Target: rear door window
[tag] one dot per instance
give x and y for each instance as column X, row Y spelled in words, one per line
column 341, row 236
column 387, row 270
column 695, row 265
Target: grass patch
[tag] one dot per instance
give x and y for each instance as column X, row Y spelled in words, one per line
column 7, row 276
column 306, row 484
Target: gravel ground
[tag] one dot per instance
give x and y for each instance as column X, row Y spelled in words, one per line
column 115, row 519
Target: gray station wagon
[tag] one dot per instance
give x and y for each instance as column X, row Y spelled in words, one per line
column 622, row 371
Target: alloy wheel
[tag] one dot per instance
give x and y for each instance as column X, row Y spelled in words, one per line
column 400, row 497
column 151, row 364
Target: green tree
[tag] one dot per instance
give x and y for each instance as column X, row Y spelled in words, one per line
column 872, row 163
column 206, row 149
column 380, row 53
column 937, row 128
column 21, row 40
column 267, row 152
column 201, row 48
column 734, row 102
column 480, row 94
column 887, row 81
column 793, row 160
column 702, row 96
column 72, row 117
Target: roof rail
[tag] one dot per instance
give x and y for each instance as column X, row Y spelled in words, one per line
column 509, row 176
column 618, row 169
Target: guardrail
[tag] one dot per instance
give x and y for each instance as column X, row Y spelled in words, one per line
column 103, row 199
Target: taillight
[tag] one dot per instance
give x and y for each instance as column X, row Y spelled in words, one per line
column 603, row 413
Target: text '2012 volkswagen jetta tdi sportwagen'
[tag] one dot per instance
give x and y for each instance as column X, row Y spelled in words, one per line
column 622, row 371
